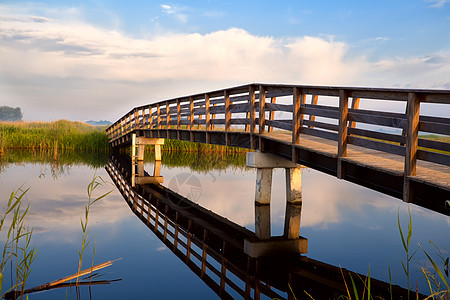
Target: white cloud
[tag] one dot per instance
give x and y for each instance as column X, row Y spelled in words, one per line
column 167, row 9
column 438, row 3
column 44, row 60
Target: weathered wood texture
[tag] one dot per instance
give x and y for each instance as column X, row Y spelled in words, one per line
column 353, row 135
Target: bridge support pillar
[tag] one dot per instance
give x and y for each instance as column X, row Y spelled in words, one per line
column 264, row 243
column 137, row 160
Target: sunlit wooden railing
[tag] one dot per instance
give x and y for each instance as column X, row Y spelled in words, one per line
column 387, row 120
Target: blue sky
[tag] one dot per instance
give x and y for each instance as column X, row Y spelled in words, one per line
column 97, row 59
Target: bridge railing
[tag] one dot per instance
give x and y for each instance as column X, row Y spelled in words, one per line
column 387, row 120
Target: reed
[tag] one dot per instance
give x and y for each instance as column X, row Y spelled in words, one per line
column 58, row 136
column 16, row 244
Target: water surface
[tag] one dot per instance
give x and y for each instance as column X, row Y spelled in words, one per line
column 346, row 225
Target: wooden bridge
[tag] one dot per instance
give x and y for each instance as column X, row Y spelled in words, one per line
column 395, row 141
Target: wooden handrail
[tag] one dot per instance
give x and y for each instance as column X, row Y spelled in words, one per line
column 244, row 108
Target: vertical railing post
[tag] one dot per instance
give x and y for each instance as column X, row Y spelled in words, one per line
column 252, row 122
column 273, row 100
column 136, row 118
column 226, row 96
column 314, row 101
column 262, row 109
column 191, row 118
column 158, row 118
column 178, row 118
column 298, row 98
column 412, row 140
column 167, row 118
column 355, row 105
column 342, row 132
column 262, row 115
column 207, row 119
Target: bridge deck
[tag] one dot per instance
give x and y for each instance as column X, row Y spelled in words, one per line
column 391, row 147
column 431, row 173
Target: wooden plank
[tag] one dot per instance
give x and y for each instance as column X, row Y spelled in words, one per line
column 262, row 111
column 379, row 94
column 377, row 119
column 328, row 126
column 240, row 121
column 239, row 108
column 320, row 133
column 342, row 132
column 282, row 124
column 217, row 122
column 377, row 135
column 215, row 109
column 434, row 119
column 412, row 142
column 434, row 157
column 321, row 111
column 278, row 107
column 376, row 145
column 432, row 127
column 437, row 145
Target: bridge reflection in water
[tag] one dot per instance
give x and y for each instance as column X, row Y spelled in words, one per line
column 213, row 247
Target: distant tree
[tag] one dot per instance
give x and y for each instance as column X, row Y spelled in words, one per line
column 10, row 114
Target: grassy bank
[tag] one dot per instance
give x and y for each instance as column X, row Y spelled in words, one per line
column 57, row 135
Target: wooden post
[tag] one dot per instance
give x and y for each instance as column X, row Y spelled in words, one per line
column 226, row 96
column 136, row 118
column 213, row 117
column 412, row 140
column 314, row 101
column 178, row 118
column 191, row 118
column 355, row 105
column 207, row 119
column 296, row 121
column 167, row 118
column 251, row 108
column 262, row 109
column 273, row 100
column 342, row 132
column 199, row 118
column 158, row 118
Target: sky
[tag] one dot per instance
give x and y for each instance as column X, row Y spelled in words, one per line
column 96, row 60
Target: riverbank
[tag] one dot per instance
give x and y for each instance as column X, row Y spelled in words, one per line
column 64, row 135
column 56, row 135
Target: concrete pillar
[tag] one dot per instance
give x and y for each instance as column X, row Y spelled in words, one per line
column 263, row 189
column 293, row 203
column 262, row 221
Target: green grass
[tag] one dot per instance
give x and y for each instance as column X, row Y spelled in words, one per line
column 57, row 135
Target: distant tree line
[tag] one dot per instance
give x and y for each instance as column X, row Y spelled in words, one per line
column 8, row 113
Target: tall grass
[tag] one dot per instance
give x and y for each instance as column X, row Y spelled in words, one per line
column 16, row 244
column 58, row 135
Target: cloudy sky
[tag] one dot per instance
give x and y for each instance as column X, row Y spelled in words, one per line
column 82, row 60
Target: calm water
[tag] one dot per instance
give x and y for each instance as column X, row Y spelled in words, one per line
column 345, row 224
